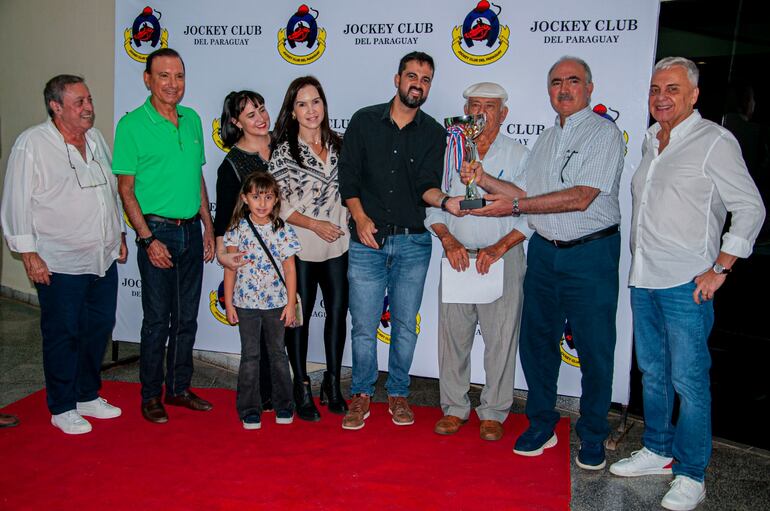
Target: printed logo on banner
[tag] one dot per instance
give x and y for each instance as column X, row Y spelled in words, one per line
column 217, row 304
column 481, row 40
column 216, row 134
column 611, row 115
column 569, row 354
column 302, row 41
column 145, row 35
column 383, row 330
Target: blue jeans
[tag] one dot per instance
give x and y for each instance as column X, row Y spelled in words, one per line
column 670, row 340
column 398, row 268
column 579, row 283
column 170, row 301
column 77, row 315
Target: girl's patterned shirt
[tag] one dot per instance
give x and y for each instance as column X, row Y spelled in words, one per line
column 257, row 285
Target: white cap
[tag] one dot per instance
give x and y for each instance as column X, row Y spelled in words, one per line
column 486, row 90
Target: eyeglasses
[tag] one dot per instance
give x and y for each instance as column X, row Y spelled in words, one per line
column 92, row 179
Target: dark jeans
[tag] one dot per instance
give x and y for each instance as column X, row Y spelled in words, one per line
column 170, row 301
column 580, row 284
column 252, row 323
column 332, row 276
column 77, row 315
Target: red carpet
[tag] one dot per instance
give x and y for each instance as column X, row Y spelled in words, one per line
column 206, row 461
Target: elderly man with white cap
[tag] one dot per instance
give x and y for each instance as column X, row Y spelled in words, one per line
column 482, row 242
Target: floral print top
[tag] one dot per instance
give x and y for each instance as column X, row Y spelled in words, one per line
column 257, row 285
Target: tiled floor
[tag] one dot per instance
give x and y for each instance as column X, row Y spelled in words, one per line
column 738, row 477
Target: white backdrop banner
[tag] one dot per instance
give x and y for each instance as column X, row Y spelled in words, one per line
column 353, row 48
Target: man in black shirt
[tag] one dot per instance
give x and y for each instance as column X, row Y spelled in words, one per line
column 390, row 169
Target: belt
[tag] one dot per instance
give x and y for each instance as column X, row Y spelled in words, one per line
column 175, row 221
column 609, row 231
column 392, row 230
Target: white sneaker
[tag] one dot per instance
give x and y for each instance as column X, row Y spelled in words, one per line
column 685, row 494
column 642, row 463
column 71, row 422
column 98, row 408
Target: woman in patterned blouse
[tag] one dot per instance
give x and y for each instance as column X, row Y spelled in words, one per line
column 305, row 165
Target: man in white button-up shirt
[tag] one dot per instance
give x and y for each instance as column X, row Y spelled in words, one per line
column 691, row 175
column 61, row 213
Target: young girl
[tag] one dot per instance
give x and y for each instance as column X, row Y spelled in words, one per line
column 257, row 300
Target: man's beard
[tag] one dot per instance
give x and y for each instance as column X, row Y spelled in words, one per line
column 410, row 101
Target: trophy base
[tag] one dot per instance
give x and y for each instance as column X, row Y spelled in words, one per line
column 472, row 203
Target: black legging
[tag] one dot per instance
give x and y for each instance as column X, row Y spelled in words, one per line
column 332, row 276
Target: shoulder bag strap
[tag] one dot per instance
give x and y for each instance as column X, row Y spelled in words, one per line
column 267, row 251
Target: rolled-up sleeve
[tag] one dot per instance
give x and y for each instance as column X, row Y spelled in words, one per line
column 17, row 200
column 725, row 166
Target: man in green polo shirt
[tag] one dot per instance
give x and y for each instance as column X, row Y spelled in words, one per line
column 158, row 157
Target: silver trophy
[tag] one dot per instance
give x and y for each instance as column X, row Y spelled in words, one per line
column 471, row 126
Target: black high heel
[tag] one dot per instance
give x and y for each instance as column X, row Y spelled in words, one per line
column 330, row 386
column 303, row 399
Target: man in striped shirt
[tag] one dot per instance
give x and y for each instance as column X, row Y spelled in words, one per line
column 572, row 178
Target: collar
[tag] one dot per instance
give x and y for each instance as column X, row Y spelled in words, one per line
column 51, row 127
column 575, row 119
column 680, row 130
column 153, row 114
column 386, row 114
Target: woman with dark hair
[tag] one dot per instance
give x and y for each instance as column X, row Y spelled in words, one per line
column 305, row 165
column 245, row 131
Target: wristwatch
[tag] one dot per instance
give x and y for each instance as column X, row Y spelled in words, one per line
column 443, row 202
column 516, row 211
column 720, row 269
column 145, row 242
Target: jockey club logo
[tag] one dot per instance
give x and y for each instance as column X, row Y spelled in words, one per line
column 383, row 329
column 216, row 134
column 611, row 115
column 481, row 40
column 217, row 304
column 145, row 35
column 569, row 354
column 302, row 41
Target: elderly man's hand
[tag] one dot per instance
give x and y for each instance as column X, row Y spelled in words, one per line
column 497, row 205
column 36, row 268
column 473, row 170
column 123, row 255
column 209, row 247
column 455, row 252
column 489, row 256
column 707, row 285
column 159, row 255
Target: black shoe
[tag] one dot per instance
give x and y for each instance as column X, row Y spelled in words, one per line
column 303, row 399
column 267, row 405
column 330, row 386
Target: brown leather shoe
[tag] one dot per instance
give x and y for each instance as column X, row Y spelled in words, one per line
column 449, row 425
column 189, row 400
column 358, row 411
column 154, row 412
column 491, row 430
column 399, row 409
column 8, row 421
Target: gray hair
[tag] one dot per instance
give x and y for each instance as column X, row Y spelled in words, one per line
column 692, row 70
column 54, row 89
column 565, row 58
